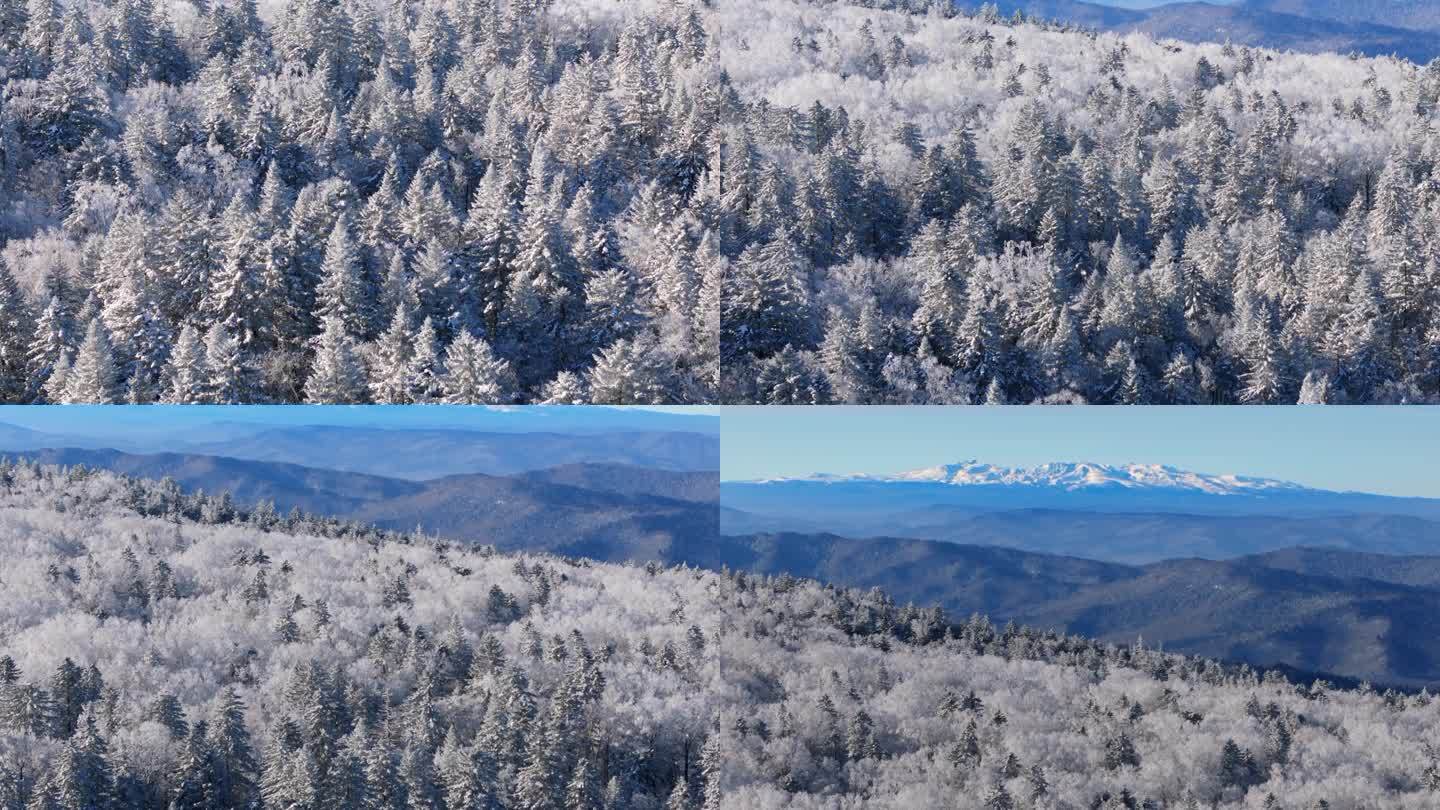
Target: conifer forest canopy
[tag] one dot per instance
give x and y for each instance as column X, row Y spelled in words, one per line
column 774, row 201
column 352, row 202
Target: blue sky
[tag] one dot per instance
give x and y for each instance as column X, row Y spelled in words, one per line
column 1394, row 451
column 1154, row 3
column 177, row 420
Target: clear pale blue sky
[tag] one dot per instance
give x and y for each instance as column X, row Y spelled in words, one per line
column 1393, row 451
column 1154, row 3
column 176, row 420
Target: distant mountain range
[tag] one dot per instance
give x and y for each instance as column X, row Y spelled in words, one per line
column 416, row 454
column 604, row 511
column 1071, row 476
column 1419, row 15
column 1250, row 610
column 424, row 454
column 1364, row 616
column 1133, row 538
column 1131, row 514
column 1405, row 28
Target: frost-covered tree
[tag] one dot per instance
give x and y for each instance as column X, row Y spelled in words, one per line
column 342, row 292
column 473, row 374
column 628, row 371
column 228, row 378
column 187, row 375
column 337, row 376
column 390, row 371
column 91, row 378
column 15, row 324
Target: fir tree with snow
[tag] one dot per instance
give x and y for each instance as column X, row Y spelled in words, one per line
column 473, row 374
column 337, row 376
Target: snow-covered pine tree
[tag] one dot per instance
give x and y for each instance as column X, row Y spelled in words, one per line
column 337, row 376
column 92, row 377
column 48, row 348
column 187, row 378
column 390, row 366
column 343, row 293
column 228, row 376
column 473, row 374
column 16, row 330
column 765, row 301
column 632, row 371
column 425, row 369
column 238, row 297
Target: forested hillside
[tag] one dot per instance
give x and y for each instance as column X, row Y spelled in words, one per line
column 1345, row 614
column 460, row 201
column 927, row 206
column 465, row 200
column 162, row 650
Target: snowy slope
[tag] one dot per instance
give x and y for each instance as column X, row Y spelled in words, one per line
column 320, row 665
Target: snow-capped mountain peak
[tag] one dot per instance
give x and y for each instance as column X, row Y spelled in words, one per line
column 1073, row 476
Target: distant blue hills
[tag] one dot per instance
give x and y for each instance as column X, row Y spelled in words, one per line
column 511, row 445
column 1405, row 28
